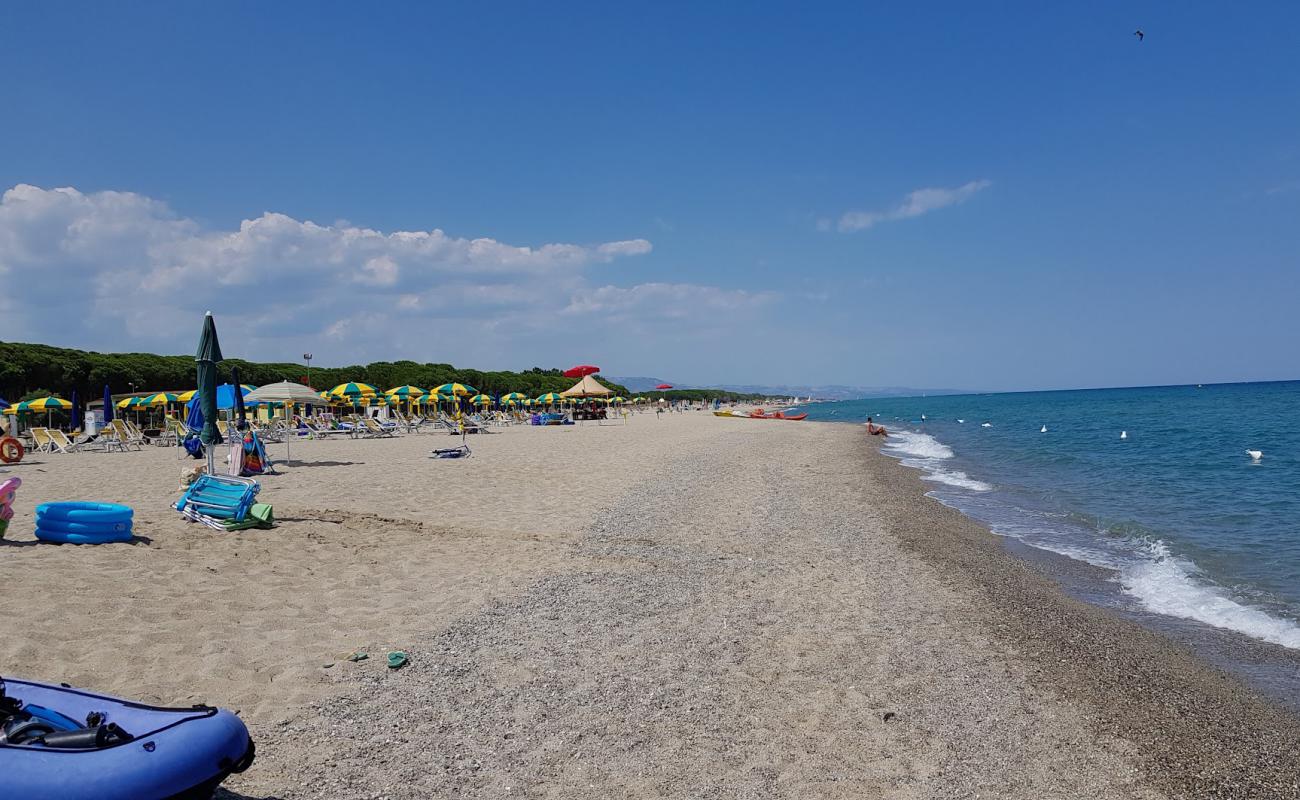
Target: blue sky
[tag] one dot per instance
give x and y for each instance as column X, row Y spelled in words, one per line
column 984, row 196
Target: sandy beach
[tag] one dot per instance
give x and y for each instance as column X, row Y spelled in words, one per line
column 680, row 607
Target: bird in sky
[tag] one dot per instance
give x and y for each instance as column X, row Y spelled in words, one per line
column 1138, row 33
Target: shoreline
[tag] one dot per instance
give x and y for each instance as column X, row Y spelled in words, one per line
column 1201, row 730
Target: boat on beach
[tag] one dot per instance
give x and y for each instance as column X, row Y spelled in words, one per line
column 57, row 741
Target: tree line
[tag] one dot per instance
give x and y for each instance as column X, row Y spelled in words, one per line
column 34, row 370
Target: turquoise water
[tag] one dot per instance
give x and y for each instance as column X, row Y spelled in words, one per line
column 1189, row 524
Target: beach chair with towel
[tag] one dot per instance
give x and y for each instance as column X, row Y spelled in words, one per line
column 225, row 503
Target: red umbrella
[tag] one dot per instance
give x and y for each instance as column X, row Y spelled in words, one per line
column 581, row 371
column 664, row 386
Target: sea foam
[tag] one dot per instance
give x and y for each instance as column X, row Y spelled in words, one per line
column 926, row 453
column 1169, row 584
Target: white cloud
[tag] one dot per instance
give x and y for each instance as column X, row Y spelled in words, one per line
column 921, row 201
column 116, row 271
column 666, row 300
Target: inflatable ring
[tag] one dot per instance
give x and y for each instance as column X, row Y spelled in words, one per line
column 94, row 513
column 11, row 450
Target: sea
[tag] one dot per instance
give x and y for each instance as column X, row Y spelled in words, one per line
column 1160, row 488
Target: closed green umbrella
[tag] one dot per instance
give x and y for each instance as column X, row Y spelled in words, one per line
column 206, row 358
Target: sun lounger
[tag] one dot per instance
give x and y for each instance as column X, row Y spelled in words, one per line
column 322, row 431
column 218, row 500
column 371, row 429
column 60, row 441
column 122, row 430
column 41, row 436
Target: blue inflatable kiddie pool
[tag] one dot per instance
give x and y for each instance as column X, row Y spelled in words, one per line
column 83, row 523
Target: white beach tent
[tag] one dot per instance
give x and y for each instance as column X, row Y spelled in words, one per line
column 284, row 392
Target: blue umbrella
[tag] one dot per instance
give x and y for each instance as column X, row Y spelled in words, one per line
column 241, row 416
column 108, row 405
column 195, row 419
column 225, row 397
column 3, row 404
column 76, row 411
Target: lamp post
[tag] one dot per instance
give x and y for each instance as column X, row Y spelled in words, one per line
column 307, row 357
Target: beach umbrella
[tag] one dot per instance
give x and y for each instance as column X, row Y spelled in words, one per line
column 550, row 397
column 51, row 403
column 47, row 404
column 159, row 399
column 3, row 403
column 226, row 396
column 76, row 411
column 351, row 391
column 457, row 389
column 108, row 404
column 186, row 397
column 664, row 386
column 481, row 400
column 513, row 397
column 406, row 392
column 241, row 413
column 194, row 421
column 206, row 359
column 128, row 402
column 581, row 371
column 284, row 392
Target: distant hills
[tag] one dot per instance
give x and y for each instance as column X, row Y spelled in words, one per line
column 820, row 392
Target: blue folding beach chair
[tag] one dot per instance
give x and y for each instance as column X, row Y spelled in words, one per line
column 215, row 500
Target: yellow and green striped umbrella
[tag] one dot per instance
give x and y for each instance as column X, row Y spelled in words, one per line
column 351, row 391
column 514, row 397
column 130, row 402
column 50, row 403
column 185, row 397
column 481, row 400
column 618, row 398
column 458, row 389
column 406, row 392
column 160, row 399
column 550, row 397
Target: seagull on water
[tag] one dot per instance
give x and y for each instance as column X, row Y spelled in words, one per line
column 961, row 420
column 1255, row 455
column 986, row 424
column 1123, row 434
column 1043, row 429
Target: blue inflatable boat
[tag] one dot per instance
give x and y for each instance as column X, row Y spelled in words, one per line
column 60, row 742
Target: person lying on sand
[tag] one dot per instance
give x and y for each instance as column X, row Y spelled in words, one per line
column 876, row 430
